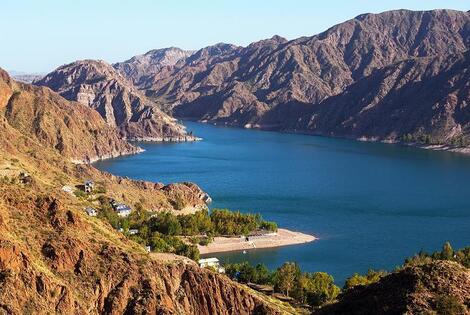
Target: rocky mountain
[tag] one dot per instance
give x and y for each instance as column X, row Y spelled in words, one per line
column 437, row 288
column 284, row 85
column 98, row 85
column 419, row 98
column 54, row 259
column 74, row 130
column 140, row 68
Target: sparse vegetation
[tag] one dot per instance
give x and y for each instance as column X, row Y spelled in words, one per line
column 371, row 277
column 449, row 305
column 461, row 256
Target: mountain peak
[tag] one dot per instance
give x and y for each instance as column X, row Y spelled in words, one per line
column 145, row 65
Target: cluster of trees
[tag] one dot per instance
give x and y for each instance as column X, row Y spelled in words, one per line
column 423, row 138
column 460, row 141
column 163, row 231
column 218, row 223
column 461, row 256
column 158, row 232
column 315, row 289
column 234, row 223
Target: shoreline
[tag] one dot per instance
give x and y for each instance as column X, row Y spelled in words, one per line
column 431, row 147
column 282, row 237
column 137, row 150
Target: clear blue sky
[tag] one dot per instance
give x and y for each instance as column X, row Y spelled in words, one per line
column 39, row 35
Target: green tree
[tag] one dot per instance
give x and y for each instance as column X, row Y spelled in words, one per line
column 165, row 223
column 447, row 252
column 286, row 277
column 268, row 226
column 190, row 251
column 178, row 203
column 158, row 244
column 263, row 275
column 317, row 288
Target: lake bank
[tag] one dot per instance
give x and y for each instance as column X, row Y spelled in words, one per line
column 272, row 128
column 282, row 237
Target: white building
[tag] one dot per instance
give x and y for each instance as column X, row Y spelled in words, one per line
column 91, row 212
column 133, row 231
column 67, row 189
column 212, row 263
column 123, row 210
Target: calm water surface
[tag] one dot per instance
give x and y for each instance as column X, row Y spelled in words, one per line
column 370, row 204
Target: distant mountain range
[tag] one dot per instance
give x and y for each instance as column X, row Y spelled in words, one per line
column 25, row 77
column 394, row 76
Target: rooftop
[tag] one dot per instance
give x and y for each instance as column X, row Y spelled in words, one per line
column 207, row 260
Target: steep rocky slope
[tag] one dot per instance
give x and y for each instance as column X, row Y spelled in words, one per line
column 279, row 84
column 427, row 289
column 418, row 98
column 54, row 259
column 139, row 68
column 98, row 85
column 75, row 131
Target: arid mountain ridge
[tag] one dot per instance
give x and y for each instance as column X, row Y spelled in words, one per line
column 340, row 82
column 96, row 84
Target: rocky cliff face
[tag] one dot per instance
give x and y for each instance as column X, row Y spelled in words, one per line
column 75, row 131
column 415, row 290
column 98, row 85
column 283, row 85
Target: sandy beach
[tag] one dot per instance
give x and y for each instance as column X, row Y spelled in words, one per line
column 283, row 237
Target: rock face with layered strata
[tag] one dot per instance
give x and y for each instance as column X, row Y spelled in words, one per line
column 98, row 85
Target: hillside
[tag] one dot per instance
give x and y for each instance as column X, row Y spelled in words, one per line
column 283, row 85
column 416, row 99
column 98, row 85
column 75, row 131
column 56, row 259
column 436, row 288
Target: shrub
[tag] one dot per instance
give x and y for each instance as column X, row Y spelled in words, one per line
column 371, row 277
column 178, row 203
column 449, row 305
column 80, row 194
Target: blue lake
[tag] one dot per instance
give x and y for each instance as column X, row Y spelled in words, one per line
column 370, row 204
